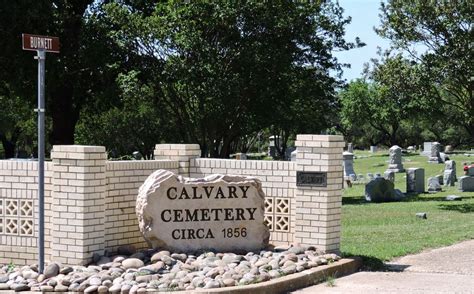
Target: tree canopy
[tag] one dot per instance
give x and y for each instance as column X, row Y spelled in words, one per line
column 221, row 71
column 443, row 31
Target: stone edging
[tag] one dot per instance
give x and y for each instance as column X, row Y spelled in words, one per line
column 291, row 282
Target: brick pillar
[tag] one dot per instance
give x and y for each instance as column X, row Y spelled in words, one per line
column 179, row 152
column 318, row 209
column 78, row 225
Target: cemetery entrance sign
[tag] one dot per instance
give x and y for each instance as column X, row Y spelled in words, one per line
column 217, row 212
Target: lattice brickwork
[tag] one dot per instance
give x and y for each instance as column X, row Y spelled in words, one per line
column 278, row 184
column 16, row 217
column 277, row 214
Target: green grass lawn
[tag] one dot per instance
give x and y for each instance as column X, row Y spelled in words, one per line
column 380, row 232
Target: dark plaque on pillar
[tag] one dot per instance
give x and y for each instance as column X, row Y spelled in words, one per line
column 311, row 179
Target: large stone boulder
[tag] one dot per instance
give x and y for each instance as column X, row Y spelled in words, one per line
column 218, row 212
column 382, row 190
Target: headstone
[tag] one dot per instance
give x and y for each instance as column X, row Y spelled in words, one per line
column 389, row 175
column 272, row 142
column 421, row 215
column 352, row 177
column 137, row 155
column 373, row 149
column 448, row 148
column 370, row 176
column 434, row 155
column 415, row 180
column 293, row 155
column 411, row 149
column 426, row 148
column 448, row 177
column 440, row 179
column 433, row 184
column 396, row 159
column 381, row 190
column 453, row 198
column 348, row 162
column 241, row 156
column 350, row 148
column 218, row 212
column 470, row 171
column 289, row 152
column 360, row 177
column 451, row 165
column 466, row 184
column 443, row 156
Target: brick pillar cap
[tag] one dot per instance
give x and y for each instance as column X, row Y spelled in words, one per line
column 177, row 147
column 78, row 148
column 321, row 138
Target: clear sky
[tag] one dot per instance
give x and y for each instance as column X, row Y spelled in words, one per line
column 365, row 17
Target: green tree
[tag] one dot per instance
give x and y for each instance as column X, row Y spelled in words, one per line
column 135, row 123
column 15, row 120
column 443, row 31
column 223, row 70
column 75, row 77
column 393, row 94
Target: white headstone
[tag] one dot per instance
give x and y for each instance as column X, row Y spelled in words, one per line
column 433, row 184
column 415, row 180
column 435, row 156
column 426, row 148
column 373, row 149
column 449, row 173
column 224, row 213
column 396, row 159
column 348, row 162
column 293, row 155
column 449, row 177
column 350, row 148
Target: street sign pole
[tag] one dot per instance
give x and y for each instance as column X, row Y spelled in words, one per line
column 41, row 109
column 40, row 44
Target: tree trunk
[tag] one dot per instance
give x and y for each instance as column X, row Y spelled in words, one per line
column 64, row 116
column 8, row 147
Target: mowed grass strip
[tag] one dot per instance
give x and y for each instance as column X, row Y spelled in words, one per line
column 380, row 232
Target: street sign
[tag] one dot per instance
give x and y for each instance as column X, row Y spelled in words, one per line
column 38, row 42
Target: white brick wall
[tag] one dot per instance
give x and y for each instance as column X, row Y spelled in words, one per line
column 90, row 202
column 18, row 183
column 123, row 180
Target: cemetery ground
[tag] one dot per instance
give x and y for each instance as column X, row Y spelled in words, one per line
column 379, row 232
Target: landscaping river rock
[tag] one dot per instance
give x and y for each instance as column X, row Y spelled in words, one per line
column 154, row 270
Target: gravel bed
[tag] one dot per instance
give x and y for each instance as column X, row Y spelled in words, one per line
column 160, row 270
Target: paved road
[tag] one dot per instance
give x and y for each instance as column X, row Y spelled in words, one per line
column 444, row 270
